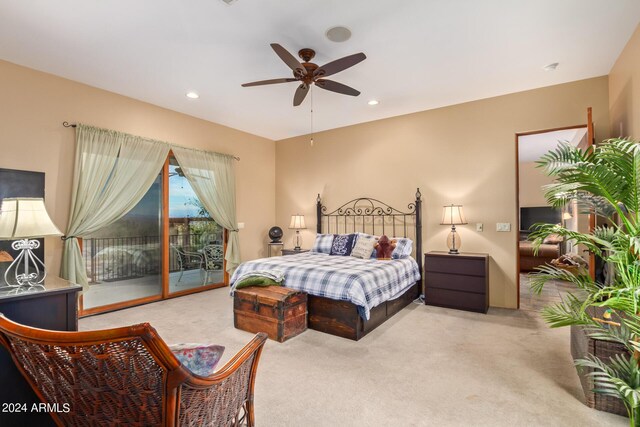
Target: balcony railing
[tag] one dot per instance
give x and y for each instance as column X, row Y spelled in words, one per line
column 119, row 258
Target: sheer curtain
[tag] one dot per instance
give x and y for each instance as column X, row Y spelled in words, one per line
column 113, row 171
column 212, row 177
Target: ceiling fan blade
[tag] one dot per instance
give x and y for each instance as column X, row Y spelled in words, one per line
column 341, row 64
column 289, row 59
column 301, row 93
column 336, row 87
column 268, row 82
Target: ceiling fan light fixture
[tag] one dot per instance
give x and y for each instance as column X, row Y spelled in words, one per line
column 373, row 102
column 309, row 74
column 192, row 95
column 551, row 67
column 338, row 34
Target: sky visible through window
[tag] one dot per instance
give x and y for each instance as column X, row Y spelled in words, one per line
column 181, row 196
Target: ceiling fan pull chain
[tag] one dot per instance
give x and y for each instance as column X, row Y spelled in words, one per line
column 311, row 142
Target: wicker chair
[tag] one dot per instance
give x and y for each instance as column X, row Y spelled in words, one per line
column 128, row 376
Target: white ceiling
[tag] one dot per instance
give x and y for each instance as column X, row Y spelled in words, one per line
column 532, row 147
column 421, row 54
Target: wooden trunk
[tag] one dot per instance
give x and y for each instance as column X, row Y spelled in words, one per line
column 279, row 312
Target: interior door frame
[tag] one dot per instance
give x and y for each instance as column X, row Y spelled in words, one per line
column 517, row 234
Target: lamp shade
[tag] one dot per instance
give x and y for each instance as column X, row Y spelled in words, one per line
column 25, row 218
column 453, row 215
column 297, row 222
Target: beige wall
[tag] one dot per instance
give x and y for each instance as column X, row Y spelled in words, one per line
column 531, row 180
column 33, row 106
column 624, row 90
column 460, row 154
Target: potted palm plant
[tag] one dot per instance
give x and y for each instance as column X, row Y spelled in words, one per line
column 604, row 180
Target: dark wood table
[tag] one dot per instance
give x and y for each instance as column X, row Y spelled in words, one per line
column 55, row 307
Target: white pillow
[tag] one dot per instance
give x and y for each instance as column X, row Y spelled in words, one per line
column 364, row 246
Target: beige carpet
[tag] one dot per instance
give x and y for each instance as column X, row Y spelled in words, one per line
column 427, row 366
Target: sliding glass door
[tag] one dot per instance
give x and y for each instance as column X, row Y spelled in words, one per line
column 123, row 259
column 167, row 245
column 195, row 240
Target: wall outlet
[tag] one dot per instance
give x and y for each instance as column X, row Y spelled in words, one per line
column 503, row 226
column 479, row 227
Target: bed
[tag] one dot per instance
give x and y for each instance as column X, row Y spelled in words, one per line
column 350, row 297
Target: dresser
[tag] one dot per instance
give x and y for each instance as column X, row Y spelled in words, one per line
column 55, row 307
column 457, row 281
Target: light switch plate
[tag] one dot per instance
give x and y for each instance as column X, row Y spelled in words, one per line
column 503, row 226
column 479, row 227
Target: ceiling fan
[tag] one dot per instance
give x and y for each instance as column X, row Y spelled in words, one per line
column 179, row 172
column 309, row 73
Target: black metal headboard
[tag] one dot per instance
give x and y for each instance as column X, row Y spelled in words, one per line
column 372, row 216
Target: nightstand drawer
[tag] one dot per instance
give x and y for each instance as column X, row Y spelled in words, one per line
column 456, row 282
column 456, row 299
column 453, row 265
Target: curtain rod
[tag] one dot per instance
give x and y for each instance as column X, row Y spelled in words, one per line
column 73, row 125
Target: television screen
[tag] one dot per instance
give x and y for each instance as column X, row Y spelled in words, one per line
column 544, row 214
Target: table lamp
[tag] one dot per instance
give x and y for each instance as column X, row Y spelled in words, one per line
column 453, row 215
column 297, row 223
column 25, row 219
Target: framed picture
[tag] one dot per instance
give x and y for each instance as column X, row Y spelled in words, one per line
column 17, row 183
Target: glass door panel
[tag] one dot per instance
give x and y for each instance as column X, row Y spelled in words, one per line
column 123, row 260
column 195, row 240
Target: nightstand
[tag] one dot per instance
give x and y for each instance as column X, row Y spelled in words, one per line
column 274, row 249
column 293, row 251
column 457, row 281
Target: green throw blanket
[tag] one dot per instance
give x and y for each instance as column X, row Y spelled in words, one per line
column 256, row 281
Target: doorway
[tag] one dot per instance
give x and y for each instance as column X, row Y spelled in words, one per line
column 531, row 205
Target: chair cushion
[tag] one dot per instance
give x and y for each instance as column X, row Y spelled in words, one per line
column 201, row 359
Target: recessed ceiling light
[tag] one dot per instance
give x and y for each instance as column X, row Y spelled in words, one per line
column 192, row 95
column 338, row 34
column 551, row 67
column 373, row 102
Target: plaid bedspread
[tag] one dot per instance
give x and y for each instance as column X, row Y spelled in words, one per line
column 364, row 282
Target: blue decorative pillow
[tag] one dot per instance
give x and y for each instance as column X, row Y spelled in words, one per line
column 323, row 243
column 342, row 244
column 201, row 359
column 403, row 249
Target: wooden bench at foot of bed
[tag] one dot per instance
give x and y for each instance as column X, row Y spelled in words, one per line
column 341, row 318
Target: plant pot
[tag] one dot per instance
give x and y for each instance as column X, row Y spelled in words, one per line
column 581, row 346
